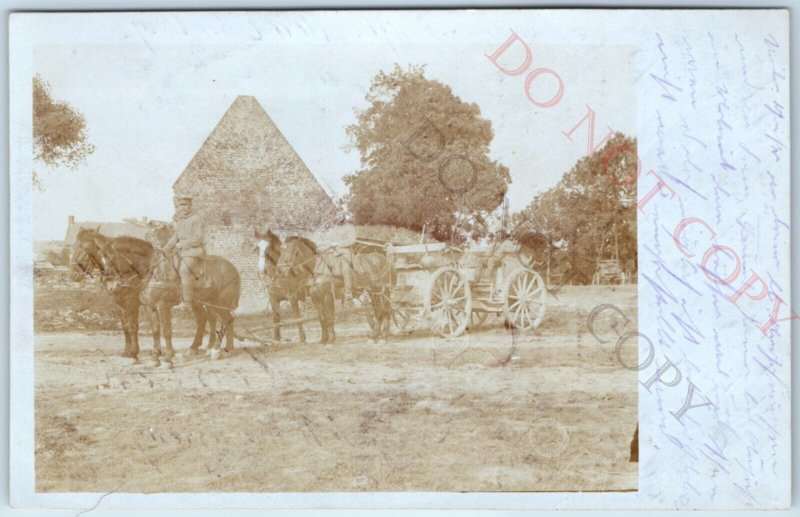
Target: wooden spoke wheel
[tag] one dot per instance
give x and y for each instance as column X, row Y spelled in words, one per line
column 525, row 297
column 448, row 302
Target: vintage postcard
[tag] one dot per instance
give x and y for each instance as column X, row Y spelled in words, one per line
column 406, row 259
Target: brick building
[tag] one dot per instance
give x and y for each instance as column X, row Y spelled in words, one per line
column 247, row 176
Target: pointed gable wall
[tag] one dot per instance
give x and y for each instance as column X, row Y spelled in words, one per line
column 246, row 172
column 245, row 176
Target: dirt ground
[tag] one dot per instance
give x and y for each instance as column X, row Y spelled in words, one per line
column 551, row 411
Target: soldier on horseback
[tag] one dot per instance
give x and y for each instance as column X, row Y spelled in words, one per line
column 189, row 242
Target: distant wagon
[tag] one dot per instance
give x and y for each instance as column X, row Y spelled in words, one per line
column 449, row 289
column 608, row 272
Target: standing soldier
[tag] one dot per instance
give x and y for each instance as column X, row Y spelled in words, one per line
column 189, row 241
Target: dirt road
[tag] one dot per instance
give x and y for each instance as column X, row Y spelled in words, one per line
column 553, row 412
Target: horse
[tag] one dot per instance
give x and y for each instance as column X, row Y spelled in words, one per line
column 124, row 265
column 289, row 267
column 127, row 268
column 364, row 273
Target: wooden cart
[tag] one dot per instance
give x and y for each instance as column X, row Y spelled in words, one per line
column 451, row 289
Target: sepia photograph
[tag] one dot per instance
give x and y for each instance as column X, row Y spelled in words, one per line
column 517, row 259
column 401, row 258
column 228, row 299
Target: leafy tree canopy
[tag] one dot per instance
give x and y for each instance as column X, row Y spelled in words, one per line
column 424, row 155
column 591, row 213
column 59, row 130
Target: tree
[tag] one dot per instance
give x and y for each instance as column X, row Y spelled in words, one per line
column 59, row 130
column 424, row 155
column 590, row 211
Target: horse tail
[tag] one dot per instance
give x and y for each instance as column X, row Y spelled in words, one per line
column 235, row 288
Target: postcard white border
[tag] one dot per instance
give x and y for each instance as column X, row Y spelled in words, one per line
column 24, row 33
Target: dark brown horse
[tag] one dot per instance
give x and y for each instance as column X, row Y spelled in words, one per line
column 123, row 265
column 288, row 267
column 127, row 265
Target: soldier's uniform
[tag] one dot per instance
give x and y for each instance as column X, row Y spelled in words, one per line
column 189, row 240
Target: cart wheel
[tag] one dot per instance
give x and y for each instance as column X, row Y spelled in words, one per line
column 448, row 302
column 477, row 319
column 525, row 297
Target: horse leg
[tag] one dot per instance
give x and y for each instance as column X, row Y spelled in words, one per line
column 123, row 316
column 222, row 316
column 386, row 314
column 371, row 313
column 200, row 320
column 229, row 332
column 331, row 312
column 371, row 320
column 317, row 300
column 213, row 337
column 376, row 299
column 296, row 314
column 133, row 323
column 385, row 328
column 165, row 314
column 155, row 327
column 275, row 304
column 377, row 304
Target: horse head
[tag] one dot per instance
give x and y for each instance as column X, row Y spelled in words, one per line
column 268, row 246
column 87, row 253
column 297, row 258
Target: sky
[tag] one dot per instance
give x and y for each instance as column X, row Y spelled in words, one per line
column 152, row 88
